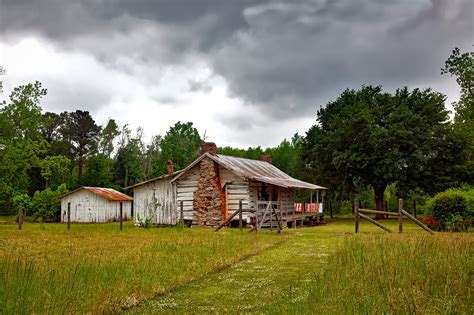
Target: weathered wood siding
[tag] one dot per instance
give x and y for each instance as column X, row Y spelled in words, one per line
column 155, row 200
column 236, row 188
column 185, row 188
column 89, row 207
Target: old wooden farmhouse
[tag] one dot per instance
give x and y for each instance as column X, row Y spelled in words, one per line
column 210, row 189
column 95, row 204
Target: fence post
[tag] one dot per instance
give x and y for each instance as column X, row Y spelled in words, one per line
column 68, row 215
column 386, row 205
column 356, row 213
column 121, row 216
column 240, row 215
column 20, row 216
column 400, row 215
column 181, row 214
column 330, row 208
column 414, row 208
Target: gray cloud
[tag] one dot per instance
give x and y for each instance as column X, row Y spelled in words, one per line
column 283, row 58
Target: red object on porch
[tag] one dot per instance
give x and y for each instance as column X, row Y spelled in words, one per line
column 309, row 207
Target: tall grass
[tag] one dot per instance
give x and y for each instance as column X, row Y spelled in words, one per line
column 409, row 273
column 96, row 268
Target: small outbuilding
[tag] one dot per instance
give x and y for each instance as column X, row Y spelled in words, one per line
column 95, row 205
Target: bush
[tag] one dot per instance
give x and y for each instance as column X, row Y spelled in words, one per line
column 451, row 210
column 46, row 205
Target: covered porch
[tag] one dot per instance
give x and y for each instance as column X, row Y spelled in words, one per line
column 274, row 206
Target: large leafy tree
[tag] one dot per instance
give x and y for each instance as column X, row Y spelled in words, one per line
column 21, row 143
column 181, row 145
column 461, row 65
column 369, row 137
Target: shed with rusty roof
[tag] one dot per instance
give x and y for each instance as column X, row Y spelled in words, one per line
column 95, row 204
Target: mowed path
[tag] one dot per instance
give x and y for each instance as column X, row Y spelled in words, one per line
column 277, row 275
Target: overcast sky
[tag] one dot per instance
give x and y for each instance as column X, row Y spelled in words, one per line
column 247, row 73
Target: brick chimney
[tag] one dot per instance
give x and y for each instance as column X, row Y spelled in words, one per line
column 209, row 147
column 169, row 166
column 266, row 158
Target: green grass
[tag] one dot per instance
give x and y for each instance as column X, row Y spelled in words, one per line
column 392, row 273
column 96, row 268
column 325, row 269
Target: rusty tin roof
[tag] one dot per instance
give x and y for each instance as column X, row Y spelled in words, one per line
column 254, row 170
column 107, row 193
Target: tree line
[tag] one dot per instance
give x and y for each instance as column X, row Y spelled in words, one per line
column 365, row 139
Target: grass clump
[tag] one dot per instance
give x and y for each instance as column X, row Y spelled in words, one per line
column 410, row 273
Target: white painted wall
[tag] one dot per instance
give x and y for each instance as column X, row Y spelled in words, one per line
column 156, row 200
column 87, row 207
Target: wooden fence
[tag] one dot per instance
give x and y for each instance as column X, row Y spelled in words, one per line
column 361, row 213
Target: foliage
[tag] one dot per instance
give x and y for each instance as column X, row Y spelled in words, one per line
column 451, row 210
column 21, row 143
column 52, row 165
column 375, row 138
column 107, row 136
column 81, row 130
column 97, row 171
column 181, row 145
column 46, row 204
column 129, row 159
column 461, row 65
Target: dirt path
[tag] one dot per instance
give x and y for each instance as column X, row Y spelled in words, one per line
column 275, row 276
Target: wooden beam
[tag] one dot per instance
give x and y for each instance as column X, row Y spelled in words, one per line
column 227, row 221
column 424, row 227
column 400, row 216
column 356, row 214
column 380, row 225
column 378, row 212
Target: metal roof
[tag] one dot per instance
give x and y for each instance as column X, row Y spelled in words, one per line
column 255, row 170
column 107, row 193
column 155, row 178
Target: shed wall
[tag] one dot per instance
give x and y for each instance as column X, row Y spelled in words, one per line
column 89, row 207
column 155, row 200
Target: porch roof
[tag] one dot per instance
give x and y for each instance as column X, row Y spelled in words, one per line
column 256, row 170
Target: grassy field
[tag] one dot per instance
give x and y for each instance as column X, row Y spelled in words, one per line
column 329, row 270
column 47, row 269
column 325, row 269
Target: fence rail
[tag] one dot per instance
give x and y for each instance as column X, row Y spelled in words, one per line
column 359, row 213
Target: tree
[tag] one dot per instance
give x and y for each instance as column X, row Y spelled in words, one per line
column 129, row 159
column 21, row 143
column 98, row 172
column 81, row 130
column 181, row 145
column 107, row 137
column 368, row 137
column 54, row 165
column 461, row 65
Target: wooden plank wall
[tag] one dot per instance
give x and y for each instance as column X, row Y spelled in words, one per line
column 237, row 188
column 185, row 188
column 156, row 200
column 87, row 207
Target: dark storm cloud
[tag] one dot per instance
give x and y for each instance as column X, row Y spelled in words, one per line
column 285, row 58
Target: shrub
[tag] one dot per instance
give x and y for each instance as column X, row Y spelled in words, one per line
column 451, row 210
column 46, row 205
